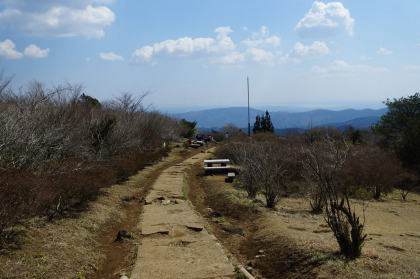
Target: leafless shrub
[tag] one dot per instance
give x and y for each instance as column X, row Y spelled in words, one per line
column 272, row 172
column 323, row 161
column 128, row 104
column 229, row 128
column 407, row 184
column 373, row 169
column 368, row 137
column 38, row 126
column 404, row 187
column 320, row 133
column 4, row 84
column 22, row 195
column 245, row 155
column 314, row 195
column 58, row 147
column 265, row 165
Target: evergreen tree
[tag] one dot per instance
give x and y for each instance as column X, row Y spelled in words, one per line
column 188, row 128
column 401, row 128
column 257, row 125
column 269, row 124
column 263, row 124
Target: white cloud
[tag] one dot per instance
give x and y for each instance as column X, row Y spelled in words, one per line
column 340, row 67
column 287, row 59
column 110, row 56
column 262, row 39
column 220, row 50
column 35, row 52
column 384, row 51
column 186, row 46
column 325, row 20
column 231, row 58
column 263, row 33
column 300, row 51
column 418, row 44
column 223, row 31
column 143, row 54
column 316, row 50
column 59, row 21
column 7, row 50
column 260, row 56
column 273, row 41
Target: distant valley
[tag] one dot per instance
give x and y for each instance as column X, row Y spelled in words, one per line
column 238, row 116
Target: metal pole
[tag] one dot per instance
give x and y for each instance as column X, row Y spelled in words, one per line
column 249, row 123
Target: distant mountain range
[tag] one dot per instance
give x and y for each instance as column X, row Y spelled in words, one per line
column 238, row 116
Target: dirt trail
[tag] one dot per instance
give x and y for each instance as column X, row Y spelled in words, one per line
column 170, row 239
column 119, row 255
column 174, row 242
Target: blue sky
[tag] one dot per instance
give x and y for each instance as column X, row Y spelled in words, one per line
column 194, row 54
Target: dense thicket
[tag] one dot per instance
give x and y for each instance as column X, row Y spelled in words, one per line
column 59, row 146
column 40, row 125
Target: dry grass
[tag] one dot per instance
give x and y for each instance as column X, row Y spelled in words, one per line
column 67, row 247
column 392, row 249
column 291, row 233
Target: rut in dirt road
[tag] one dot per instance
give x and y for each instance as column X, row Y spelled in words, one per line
column 174, row 242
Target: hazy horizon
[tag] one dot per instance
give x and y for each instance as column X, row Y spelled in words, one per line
column 296, row 107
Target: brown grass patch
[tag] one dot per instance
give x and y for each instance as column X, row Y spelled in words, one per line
column 298, row 244
column 82, row 244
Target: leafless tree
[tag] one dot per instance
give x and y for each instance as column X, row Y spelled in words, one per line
column 231, row 129
column 264, row 168
column 323, row 161
column 4, row 84
column 314, row 195
column 128, row 104
column 58, row 146
column 245, row 155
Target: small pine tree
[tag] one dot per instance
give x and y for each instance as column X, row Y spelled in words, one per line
column 257, row 125
column 269, row 125
column 263, row 124
column 188, row 128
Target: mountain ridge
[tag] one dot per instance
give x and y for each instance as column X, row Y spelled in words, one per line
column 238, row 116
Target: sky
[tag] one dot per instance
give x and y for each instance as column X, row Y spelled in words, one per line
column 196, row 54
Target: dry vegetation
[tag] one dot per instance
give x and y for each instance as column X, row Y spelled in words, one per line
column 299, row 244
column 391, row 249
column 59, row 147
column 82, row 244
column 63, row 157
column 336, row 200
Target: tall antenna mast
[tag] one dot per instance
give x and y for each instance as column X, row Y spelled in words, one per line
column 249, row 123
